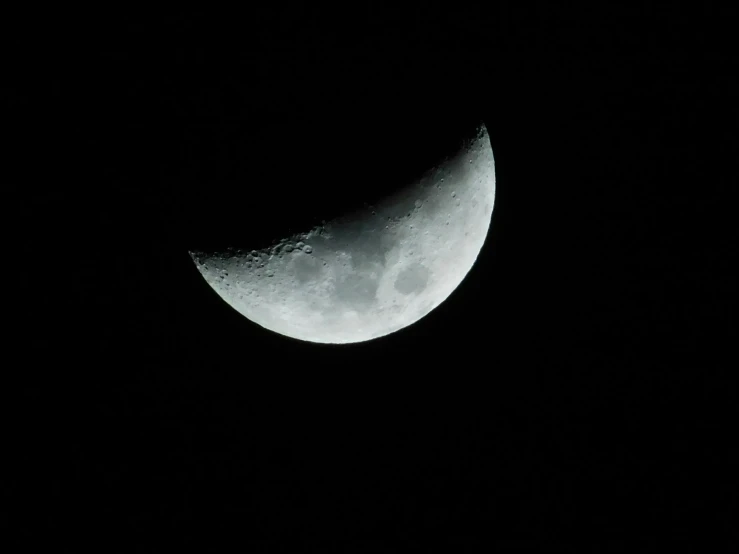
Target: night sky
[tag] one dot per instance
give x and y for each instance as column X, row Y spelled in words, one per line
column 574, row 391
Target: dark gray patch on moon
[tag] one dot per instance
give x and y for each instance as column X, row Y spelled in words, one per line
column 412, row 279
column 366, row 242
column 357, row 291
column 306, row 267
column 374, row 247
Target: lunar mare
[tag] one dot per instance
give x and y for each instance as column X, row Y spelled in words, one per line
column 372, row 272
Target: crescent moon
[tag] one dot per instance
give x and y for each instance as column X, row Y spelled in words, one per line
column 370, row 273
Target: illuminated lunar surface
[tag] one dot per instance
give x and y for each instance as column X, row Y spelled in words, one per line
column 372, row 272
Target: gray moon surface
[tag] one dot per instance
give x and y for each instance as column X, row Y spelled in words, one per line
column 372, row 272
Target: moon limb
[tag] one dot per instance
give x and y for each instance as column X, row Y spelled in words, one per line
column 370, row 273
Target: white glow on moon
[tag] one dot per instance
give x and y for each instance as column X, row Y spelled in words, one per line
column 372, row 273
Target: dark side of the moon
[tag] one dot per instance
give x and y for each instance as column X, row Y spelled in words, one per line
column 248, row 186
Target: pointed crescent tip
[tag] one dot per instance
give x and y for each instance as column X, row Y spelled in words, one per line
column 482, row 129
column 476, row 133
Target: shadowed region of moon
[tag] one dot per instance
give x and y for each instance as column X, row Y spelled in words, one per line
column 373, row 270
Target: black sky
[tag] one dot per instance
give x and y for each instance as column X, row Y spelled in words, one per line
column 575, row 390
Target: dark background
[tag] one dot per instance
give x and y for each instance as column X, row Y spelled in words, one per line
column 575, row 390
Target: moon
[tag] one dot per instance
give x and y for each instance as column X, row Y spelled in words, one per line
column 372, row 272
